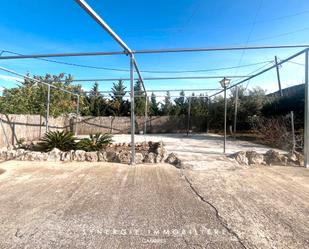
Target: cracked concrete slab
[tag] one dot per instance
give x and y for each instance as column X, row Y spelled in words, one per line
column 103, row 205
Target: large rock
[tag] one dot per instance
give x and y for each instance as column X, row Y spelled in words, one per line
column 3, row 153
column 255, row 158
column 20, row 154
column 139, row 158
column 241, row 157
column 54, row 155
column 11, row 154
column 124, row 156
column 275, row 158
column 102, row 156
column 91, row 156
column 295, row 158
column 112, row 156
column 150, row 157
column 161, row 153
column 67, row 156
column 79, row 156
column 174, row 160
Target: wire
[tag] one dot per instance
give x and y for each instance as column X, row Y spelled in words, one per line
column 144, row 71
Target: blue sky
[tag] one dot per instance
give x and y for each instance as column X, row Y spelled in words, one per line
column 62, row 26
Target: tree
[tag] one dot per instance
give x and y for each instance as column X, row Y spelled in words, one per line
column 140, row 99
column 119, row 107
column 30, row 97
column 167, row 108
column 98, row 106
column 181, row 104
column 154, row 106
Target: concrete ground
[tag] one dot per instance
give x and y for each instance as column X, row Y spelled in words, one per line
column 103, row 205
column 198, row 151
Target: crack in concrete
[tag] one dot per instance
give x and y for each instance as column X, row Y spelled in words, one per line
column 222, row 222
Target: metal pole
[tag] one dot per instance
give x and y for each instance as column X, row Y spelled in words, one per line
column 164, row 78
column 293, row 131
column 149, row 51
column 208, row 113
column 132, row 109
column 278, row 75
column 47, row 107
column 103, row 24
column 146, row 114
column 306, row 138
column 189, row 116
column 235, row 114
column 77, row 116
column 225, row 112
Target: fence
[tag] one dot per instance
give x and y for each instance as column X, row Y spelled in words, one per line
column 32, row 127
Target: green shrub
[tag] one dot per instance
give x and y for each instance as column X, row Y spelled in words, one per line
column 62, row 140
column 95, row 142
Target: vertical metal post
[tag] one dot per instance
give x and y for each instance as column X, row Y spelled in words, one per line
column 225, row 112
column 208, row 114
column 293, row 131
column 189, row 116
column 132, row 109
column 47, row 107
column 278, row 76
column 77, row 115
column 306, row 138
column 146, row 114
column 235, row 114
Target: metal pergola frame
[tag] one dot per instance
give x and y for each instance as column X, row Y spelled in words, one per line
column 134, row 67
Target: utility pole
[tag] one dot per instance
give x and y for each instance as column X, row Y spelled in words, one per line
column 278, row 76
column 235, row 114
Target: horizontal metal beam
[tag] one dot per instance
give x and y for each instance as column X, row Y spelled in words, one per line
column 167, row 78
column 104, row 25
column 36, row 80
column 263, row 71
column 170, row 90
column 153, row 51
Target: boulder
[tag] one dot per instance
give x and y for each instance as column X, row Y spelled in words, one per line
column 67, row 156
column 54, row 155
column 275, row 158
column 11, row 154
column 20, row 154
column 102, row 156
column 139, row 158
column 255, row 158
column 295, row 158
column 174, row 160
column 161, row 152
column 150, row 157
column 124, row 156
column 241, row 157
column 112, row 156
column 91, row 156
column 79, row 155
column 3, row 153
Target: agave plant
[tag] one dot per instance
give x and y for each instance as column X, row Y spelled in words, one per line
column 95, row 142
column 62, row 140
